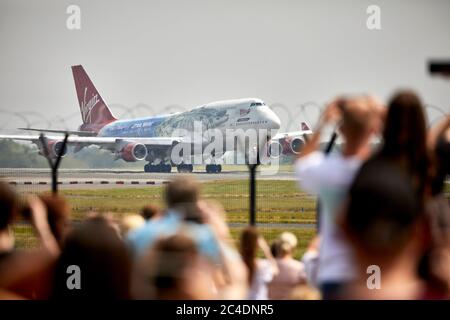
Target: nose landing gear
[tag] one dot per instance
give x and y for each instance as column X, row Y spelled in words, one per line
column 182, row 168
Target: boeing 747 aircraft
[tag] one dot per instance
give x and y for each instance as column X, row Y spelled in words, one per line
column 152, row 139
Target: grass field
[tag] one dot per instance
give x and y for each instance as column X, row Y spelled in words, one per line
column 278, row 201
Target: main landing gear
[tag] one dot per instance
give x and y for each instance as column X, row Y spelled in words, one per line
column 182, row 168
column 213, row 168
column 185, row 168
column 158, row 167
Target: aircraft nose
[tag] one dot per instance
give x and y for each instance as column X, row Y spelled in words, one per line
column 274, row 120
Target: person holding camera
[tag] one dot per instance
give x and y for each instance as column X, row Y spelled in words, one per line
column 329, row 176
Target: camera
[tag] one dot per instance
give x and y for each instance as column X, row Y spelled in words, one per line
column 439, row 67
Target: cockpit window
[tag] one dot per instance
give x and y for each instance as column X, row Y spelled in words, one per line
column 256, row 104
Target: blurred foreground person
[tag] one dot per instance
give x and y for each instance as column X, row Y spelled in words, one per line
column 310, row 261
column 439, row 144
column 174, row 269
column 96, row 250
column 231, row 274
column 330, row 177
column 437, row 260
column 385, row 225
column 260, row 271
column 204, row 223
column 405, row 147
column 404, row 141
column 19, row 268
column 182, row 197
column 290, row 271
column 58, row 217
column 438, row 208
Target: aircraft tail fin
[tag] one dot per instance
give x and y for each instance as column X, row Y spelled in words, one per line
column 304, row 126
column 94, row 111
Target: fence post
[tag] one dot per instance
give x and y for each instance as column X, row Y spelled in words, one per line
column 252, row 168
column 53, row 164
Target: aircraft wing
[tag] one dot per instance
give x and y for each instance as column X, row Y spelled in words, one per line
column 101, row 141
column 78, row 133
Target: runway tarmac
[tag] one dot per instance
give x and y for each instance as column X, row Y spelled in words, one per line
column 40, row 179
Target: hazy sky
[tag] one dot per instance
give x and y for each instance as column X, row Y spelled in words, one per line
column 192, row 52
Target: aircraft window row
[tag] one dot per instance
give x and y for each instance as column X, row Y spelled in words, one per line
column 252, row 122
column 256, row 104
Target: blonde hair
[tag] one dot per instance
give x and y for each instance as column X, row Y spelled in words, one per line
column 359, row 116
column 290, row 238
column 287, row 243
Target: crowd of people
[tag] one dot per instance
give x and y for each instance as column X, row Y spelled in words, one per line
column 183, row 252
column 383, row 227
column 384, row 217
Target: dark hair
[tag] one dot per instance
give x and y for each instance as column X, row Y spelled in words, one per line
column 405, row 138
column 103, row 259
column 382, row 209
column 58, row 215
column 275, row 248
column 249, row 247
column 8, row 205
column 180, row 191
column 150, row 211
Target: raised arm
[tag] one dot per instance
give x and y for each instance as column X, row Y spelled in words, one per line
column 40, row 222
column 330, row 115
column 267, row 254
column 437, row 131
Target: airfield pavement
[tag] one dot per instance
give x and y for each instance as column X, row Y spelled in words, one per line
column 40, row 179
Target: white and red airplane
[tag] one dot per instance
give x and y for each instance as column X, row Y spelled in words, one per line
column 152, row 138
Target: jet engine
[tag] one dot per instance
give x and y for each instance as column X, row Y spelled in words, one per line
column 54, row 148
column 287, row 145
column 132, row 152
column 297, row 145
